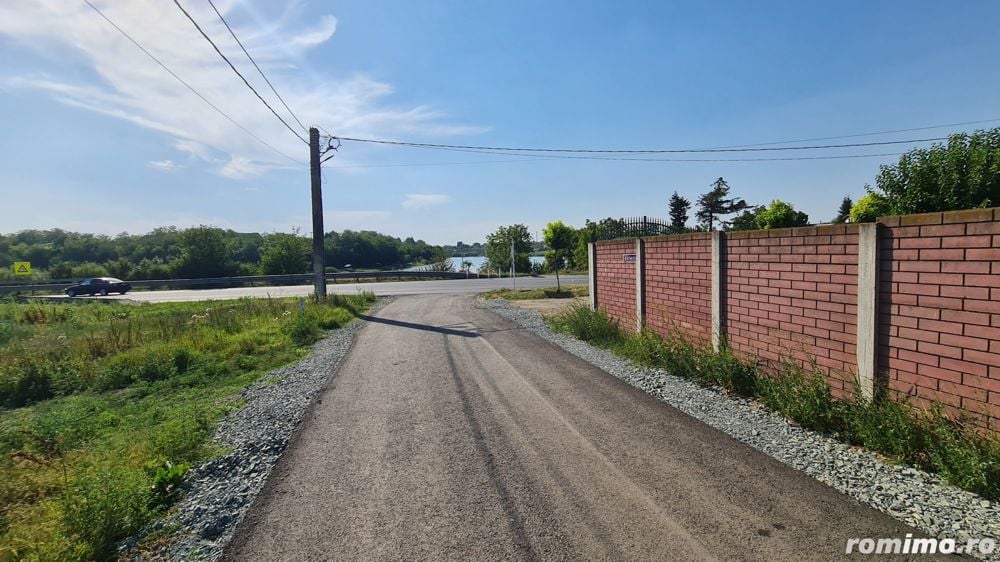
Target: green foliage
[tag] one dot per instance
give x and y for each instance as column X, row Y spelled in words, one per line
column 167, row 479
column 166, row 253
column 844, row 212
column 103, row 506
column 498, row 246
column 569, row 291
column 284, row 254
column 747, row 220
column 869, row 208
column 715, row 204
column 963, row 174
column 82, row 466
column 152, row 363
column 927, row 439
column 560, row 238
column 368, row 249
column 780, row 214
column 302, row 329
column 588, row 325
column 205, row 252
column 678, row 210
column 802, row 396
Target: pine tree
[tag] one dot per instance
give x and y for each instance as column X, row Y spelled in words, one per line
column 716, row 203
column 679, row 207
column 844, row 212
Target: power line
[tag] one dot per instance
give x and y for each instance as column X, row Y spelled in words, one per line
column 634, row 159
column 240, row 43
column 619, row 158
column 642, row 151
column 871, row 134
column 252, row 89
column 188, row 86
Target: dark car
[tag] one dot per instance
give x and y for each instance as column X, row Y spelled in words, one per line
column 99, row 286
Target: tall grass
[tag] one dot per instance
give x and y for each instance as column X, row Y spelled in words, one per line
column 104, row 407
column 924, row 438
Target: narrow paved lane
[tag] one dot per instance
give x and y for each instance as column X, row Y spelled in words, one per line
column 449, row 433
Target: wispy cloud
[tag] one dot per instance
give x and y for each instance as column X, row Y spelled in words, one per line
column 131, row 87
column 419, row 200
column 164, row 165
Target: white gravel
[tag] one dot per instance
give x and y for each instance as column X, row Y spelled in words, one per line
column 912, row 496
column 219, row 492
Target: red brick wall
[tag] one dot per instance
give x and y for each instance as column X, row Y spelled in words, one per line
column 678, row 286
column 616, row 281
column 940, row 310
column 792, row 295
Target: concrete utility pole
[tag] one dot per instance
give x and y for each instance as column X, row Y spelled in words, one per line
column 513, row 265
column 319, row 259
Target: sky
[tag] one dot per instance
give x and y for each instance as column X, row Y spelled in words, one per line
column 97, row 137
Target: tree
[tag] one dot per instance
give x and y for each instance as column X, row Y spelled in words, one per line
column 560, row 238
column 964, row 174
column 869, row 208
column 205, row 252
column 747, row 220
column 716, row 204
column 498, row 247
column 284, row 254
column 844, row 212
column 780, row 214
column 679, row 207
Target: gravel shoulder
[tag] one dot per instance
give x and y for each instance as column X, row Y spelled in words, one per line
column 911, row 496
column 219, row 492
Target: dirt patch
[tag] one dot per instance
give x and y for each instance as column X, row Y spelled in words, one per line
column 549, row 307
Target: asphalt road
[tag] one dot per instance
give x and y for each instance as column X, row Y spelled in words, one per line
column 395, row 288
column 450, row 433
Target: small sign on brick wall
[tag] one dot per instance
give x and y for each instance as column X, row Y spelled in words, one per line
column 628, row 258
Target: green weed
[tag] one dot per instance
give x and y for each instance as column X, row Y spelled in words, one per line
column 927, row 439
column 104, row 406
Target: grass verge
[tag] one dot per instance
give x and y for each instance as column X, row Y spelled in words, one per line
column 567, row 292
column 104, row 407
column 923, row 438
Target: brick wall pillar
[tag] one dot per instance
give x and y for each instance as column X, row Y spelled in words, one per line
column 867, row 344
column 718, row 289
column 592, row 275
column 640, row 284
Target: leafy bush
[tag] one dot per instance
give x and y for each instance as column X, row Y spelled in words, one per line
column 803, row 396
column 303, row 329
column 144, row 364
column 780, row 214
column 589, row 325
column 6, row 331
column 869, row 208
column 167, row 480
column 104, row 505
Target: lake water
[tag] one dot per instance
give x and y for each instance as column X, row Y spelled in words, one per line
column 478, row 261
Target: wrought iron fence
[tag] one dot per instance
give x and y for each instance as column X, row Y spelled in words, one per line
column 630, row 227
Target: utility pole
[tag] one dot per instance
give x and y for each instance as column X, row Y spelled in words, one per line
column 513, row 265
column 319, row 259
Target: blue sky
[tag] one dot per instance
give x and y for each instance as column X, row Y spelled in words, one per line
column 98, row 138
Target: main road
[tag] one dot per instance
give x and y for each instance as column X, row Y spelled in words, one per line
column 387, row 288
column 450, row 433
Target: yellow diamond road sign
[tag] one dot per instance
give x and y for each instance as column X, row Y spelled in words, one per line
column 22, row 268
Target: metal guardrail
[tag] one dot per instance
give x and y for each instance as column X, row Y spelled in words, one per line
column 303, row 278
